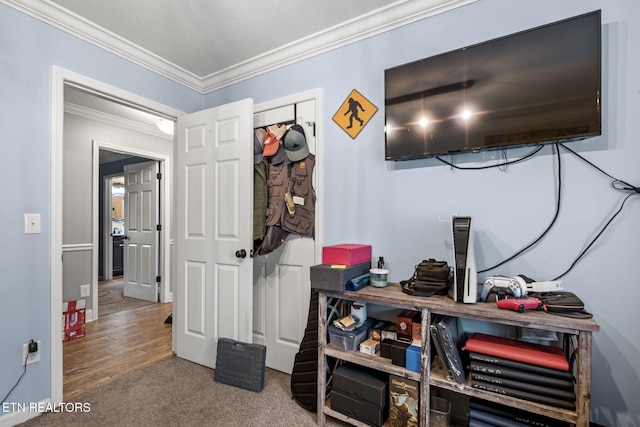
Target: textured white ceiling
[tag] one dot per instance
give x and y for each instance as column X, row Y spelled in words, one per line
column 209, row 44
column 206, row 36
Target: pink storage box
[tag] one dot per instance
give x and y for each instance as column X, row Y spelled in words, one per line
column 346, row 254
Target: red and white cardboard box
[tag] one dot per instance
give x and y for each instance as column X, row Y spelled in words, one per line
column 74, row 319
column 346, row 254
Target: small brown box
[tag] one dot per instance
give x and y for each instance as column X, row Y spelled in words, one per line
column 416, row 328
column 404, row 322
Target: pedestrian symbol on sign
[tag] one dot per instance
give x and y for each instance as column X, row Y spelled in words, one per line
column 353, row 109
column 354, row 113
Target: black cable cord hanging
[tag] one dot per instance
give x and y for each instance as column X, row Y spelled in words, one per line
column 499, row 165
column 555, row 217
column 596, row 237
column 616, row 184
column 17, row 382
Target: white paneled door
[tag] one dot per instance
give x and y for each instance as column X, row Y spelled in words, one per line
column 141, row 232
column 214, row 214
column 282, row 286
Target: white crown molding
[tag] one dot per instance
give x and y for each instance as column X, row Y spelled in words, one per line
column 395, row 15
column 73, row 24
column 103, row 117
column 399, row 13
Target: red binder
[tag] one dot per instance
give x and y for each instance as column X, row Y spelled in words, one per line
column 535, row 354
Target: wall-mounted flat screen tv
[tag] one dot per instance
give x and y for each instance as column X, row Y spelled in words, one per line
column 535, row 86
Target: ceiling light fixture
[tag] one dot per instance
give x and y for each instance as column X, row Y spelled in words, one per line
column 165, row 126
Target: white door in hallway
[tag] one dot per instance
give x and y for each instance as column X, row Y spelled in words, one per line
column 141, row 233
column 214, row 216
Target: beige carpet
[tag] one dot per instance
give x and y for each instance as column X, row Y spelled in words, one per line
column 176, row 392
column 112, row 300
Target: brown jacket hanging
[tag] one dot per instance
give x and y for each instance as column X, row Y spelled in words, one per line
column 303, row 196
column 278, row 175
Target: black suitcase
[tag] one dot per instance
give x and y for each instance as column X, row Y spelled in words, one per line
column 240, row 364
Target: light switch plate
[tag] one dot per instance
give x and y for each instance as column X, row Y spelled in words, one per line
column 31, row 223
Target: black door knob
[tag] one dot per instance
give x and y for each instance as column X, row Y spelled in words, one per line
column 241, row 253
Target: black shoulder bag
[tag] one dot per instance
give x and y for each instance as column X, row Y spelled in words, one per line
column 430, row 278
column 563, row 303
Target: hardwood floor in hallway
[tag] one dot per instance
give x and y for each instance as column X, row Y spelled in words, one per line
column 116, row 345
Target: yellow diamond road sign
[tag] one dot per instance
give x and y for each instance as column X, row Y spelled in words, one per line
column 354, row 113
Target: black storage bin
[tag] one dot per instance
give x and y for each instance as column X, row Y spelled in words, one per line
column 324, row 277
column 399, row 353
column 360, row 395
column 361, row 410
column 385, row 347
column 360, row 384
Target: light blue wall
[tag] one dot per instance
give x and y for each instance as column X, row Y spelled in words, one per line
column 28, row 49
column 397, row 207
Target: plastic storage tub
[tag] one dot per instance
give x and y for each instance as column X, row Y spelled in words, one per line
column 349, row 341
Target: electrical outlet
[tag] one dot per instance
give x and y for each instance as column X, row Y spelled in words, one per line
column 31, row 357
column 85, row 291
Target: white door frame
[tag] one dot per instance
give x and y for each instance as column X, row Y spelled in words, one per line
column 165, row 207
column 59, row 78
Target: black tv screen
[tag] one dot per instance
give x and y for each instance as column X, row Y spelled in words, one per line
column 535, row 86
